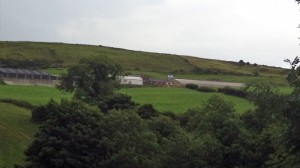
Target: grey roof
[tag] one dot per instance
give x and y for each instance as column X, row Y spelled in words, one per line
column 23, row 71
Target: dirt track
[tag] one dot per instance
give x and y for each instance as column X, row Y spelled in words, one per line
column 209, row 83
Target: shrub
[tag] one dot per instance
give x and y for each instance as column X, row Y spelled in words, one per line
column 42, row 113
column 192, row 86
column 147, row 111
column 233, row 92
column 19, row 103
column 206, row 89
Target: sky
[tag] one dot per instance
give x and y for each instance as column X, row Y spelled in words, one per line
column 257, row 31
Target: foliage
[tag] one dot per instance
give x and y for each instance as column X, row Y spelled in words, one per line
column 206, row 89
column 91, row 81
column 42, row 113
column 117, row 101
column 147, row 111
column 233, row 92
column 192, row 86
column 20, row 103
column 221, row 132
column 74, row 134
column 68, row 138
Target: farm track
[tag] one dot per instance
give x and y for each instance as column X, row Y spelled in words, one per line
column 210, row 83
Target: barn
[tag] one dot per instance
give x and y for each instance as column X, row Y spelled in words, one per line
column 27, row 77
column 131, row 80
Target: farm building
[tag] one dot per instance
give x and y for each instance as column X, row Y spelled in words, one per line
column 131, row 80
column 27, row 77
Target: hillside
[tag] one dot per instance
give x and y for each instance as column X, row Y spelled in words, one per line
column 16, row 134
column 63, row 55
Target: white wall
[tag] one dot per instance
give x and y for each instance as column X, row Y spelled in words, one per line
column 131, row 80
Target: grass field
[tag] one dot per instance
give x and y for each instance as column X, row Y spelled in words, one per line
column 33, row 94
column 179, row 100
column 16, row 133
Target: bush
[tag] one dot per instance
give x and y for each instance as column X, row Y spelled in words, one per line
column 233, row 92
column 206, row 89
column 192, row 86
column 42, row 113
column 19, row 103
column 147, row 111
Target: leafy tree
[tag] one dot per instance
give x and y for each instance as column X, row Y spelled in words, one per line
column 91, row 81
column 75, row 134
column 129, row 142
column 147, row 111
column 117, row 101
column 241, row 62
column 222, row 131
column 42, row 113
column 70, row 137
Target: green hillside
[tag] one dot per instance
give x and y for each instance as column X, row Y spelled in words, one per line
column 16, row 133
column 63, row 55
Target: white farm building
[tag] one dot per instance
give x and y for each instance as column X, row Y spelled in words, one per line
column 131, row 80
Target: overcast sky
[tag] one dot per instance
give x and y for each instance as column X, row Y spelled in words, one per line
column 258, row 31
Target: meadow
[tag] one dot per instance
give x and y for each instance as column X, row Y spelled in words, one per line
column 179, row 100
column 35, row 95
column 70, row 54
column 16, row 133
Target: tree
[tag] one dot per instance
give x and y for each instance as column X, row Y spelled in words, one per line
column 241, row 62
column 147, row 111
column 70, row 137
column 117, row 101
column 76, row 134
column 91, row 81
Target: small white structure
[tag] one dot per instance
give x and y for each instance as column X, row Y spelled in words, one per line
column 131, row 80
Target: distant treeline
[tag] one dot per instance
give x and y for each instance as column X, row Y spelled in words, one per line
column 226, row 90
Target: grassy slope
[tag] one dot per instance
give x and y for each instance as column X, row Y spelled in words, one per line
column 132, row 61
column 16, row 133
column 33, row 94
column 179, row 99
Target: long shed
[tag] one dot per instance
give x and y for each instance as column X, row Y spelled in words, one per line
column 25, row 76
column 131, row 80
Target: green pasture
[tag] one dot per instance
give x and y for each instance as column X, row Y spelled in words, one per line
column 16, row 133
column 179, row 100
column 71, row 54
column 56, row 71
column 35, row 95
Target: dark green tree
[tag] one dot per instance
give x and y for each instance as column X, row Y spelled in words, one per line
column 91, row 81
column 130, row 143
column 70, row 137
column 147, row 111
column 218, row 130
column 118, row 101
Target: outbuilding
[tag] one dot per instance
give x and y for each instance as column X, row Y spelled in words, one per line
column 27, row 77
column 131, row 80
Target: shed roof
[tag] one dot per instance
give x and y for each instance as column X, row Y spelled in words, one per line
column 23, row 71
column 132, row 78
